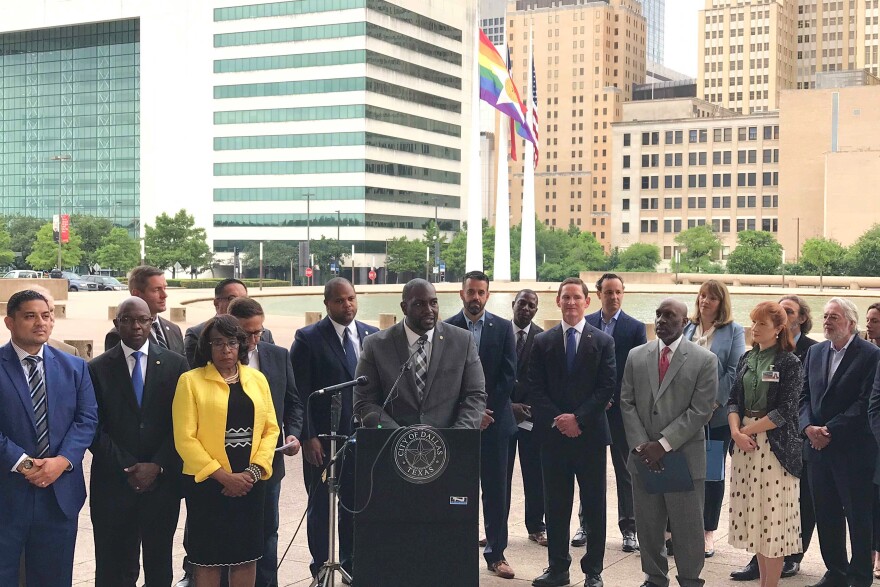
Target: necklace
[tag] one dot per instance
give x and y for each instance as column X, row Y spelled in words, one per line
column 232, row 378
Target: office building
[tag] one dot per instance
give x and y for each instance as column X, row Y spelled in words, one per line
column 654, row 12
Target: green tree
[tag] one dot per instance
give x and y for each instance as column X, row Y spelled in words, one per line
column 638, row 257
column 405, row 256
column 863, row 257
column 176, row 240
column 455, row 255
column 118, row 251
column 45, row 251
column 23, row 234
column 820, row 254
column 276, row 257
column 327, row 250
column 6, row 254
column 93, row 230
column 699, row 249
column 757, row 253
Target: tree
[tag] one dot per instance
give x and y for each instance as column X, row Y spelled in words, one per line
column 45, row 251
column 118, row 251
column 276, row 256
column 176, row 240
column 821, row 253
column 405, row 256
column 699, row 248
column 6, row 254
column 23, row 234
column 327, row 250
column 638, row 257
column 757, row 253
column 93, row 230
column 863, row 257
column 455, row 254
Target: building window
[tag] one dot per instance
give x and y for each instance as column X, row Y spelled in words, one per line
column 626, row 183
column 626, row 139
column 624, row 228
column 625, row 203
column 626, row 161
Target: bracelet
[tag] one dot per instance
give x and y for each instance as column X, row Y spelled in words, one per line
column 255, row 471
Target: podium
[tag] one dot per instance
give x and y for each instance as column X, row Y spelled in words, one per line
column 419, row 489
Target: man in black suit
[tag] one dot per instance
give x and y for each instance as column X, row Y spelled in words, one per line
column 224, row 292
column 800, row 322
column 324, row 354
column 572, row 377
column 839, row 449
column 273, row 362
column 525, row 306
column 493, row 336
column 628, row 333
column 148, row 283
column 135, row 482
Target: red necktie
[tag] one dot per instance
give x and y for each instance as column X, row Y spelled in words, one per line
column 664, row 362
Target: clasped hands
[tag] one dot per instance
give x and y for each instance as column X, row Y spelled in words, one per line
column 819, row 436
column 234, row 484
column 45, row 471
column 651, row 453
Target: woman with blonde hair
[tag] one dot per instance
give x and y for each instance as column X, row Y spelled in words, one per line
column 766, row 457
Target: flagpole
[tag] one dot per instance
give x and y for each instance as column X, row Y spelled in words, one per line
column 528, row 250
column 502, row 207
column 474, row 255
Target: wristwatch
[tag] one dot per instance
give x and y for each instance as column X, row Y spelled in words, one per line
column 26, row 465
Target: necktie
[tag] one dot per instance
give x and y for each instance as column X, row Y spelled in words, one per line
column 420, row 367
column 571, row 348
column 137, row 378
column 159, row 335
column 664, row 362
column 347, row 346
column 37, row 387
column 520, row 344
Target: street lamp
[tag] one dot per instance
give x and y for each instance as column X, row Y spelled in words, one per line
column 60, row 159
column 338, row 225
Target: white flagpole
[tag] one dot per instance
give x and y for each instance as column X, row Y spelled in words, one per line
column 502, row 206
column 474, row 256
column 528, row 251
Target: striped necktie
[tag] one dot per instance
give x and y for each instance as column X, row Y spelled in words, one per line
column 159, row 335
column 420, row 364
column 37, row 387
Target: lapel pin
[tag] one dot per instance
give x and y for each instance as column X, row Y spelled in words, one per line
column 441, row 337
column 490, row 324
column 158, row 362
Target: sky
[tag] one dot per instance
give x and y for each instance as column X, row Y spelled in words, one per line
column 681, row 35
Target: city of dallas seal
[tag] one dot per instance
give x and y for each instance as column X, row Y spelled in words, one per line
column 420, row 454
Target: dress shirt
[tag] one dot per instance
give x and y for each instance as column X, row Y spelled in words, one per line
column 837, row 357
column 412, row 342
column 476, row 327
column 516, row 329
column 608, row 327
column 254, row 358
column 579, row 328
column 672, row 348
column 352, row 333
column 22, row 354
column 127, row 351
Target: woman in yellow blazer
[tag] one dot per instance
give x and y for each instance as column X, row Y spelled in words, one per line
column 225, row 432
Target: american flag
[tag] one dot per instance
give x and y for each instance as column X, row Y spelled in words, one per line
column 533, row 110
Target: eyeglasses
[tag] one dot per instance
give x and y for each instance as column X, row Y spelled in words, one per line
column 255, row 333
column 142, row 320
column 220, row 344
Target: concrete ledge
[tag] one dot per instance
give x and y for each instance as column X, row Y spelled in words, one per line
column 60, row 310
column 85, row 347
column 387, row 321
column 312, row 317
column 178, row 314
column 111, row 312
column 56, row 287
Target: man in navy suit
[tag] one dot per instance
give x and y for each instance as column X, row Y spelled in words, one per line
column 324, row 354
column 48, row 419
column 572, row 376
column 493, row 336
column 628, row 333
column 273, row 362
column 839, row 449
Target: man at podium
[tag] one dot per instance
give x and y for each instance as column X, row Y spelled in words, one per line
column 421, row 371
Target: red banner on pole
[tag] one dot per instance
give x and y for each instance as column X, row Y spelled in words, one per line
column 65, row 228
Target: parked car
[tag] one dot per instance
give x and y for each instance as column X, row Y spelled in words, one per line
column 23, row 274
column 77, row 283
column 105, row 283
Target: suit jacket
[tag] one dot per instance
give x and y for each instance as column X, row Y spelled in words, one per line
column 520, row 393
column 840, row 404
column 275, row 365
column 802, row 346
column 319, row 361
column 129, row 434
column 454, row 395
column 728, row 345
column 678, row 408
column 584, row 393
column 172, row 336
column 191, row 341
column 628, row 334
column 73, row 417
column 498, row 357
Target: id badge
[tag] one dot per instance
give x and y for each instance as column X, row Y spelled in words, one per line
column 770, row 376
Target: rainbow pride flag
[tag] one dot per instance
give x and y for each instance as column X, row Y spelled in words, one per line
column 497, row 89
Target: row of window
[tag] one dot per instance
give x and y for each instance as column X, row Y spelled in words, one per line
column 72, row 38
column 289, row 194
column 310, row 6
column 700, row 158
column 336, row 166
column 338, row 139
column 676, row 137
column 698, row 180
column 698, row 202
column 354, row 219
column 718, row 225
column 336, row 113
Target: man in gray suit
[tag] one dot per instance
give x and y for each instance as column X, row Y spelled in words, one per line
column 666, row 398
column 421, row 371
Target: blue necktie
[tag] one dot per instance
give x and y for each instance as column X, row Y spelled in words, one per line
column 348, row 347
column 570, row 348
column 137, row 378
column 37, row 387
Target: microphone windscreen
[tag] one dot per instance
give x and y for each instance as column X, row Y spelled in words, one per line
column 371, row 420
column 362, row 380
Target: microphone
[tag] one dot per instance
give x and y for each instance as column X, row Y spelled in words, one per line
column 371, row 420
column 403, row 369
column 360, row 381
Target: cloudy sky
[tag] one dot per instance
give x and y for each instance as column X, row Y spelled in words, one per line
column 681, row 35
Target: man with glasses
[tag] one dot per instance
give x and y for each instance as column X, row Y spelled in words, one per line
column 273, row 362
column 135, row 482
column 224, row 292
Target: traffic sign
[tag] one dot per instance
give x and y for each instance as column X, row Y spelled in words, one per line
column 372, row 275
column 308, row 271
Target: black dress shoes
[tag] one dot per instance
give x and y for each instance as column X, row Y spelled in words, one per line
column 750, row 572
column 649, row 584
column 594, row 581
column 186, row 581
column 790, row 569
column 580, row 538
column 827, row 581
column 552, row 578
column 669, row 551
column 630, row 544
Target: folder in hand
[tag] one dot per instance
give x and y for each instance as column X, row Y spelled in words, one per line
column 674, row 478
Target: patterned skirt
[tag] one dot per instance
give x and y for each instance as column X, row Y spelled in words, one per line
column 765, row 513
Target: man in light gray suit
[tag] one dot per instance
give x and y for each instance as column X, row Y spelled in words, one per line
column 666, row 398
column 421, row 371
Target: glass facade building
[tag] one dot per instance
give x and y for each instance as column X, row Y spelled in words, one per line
column 71, row 92
column 654, row 12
